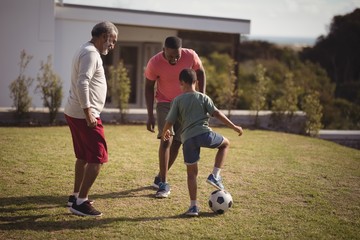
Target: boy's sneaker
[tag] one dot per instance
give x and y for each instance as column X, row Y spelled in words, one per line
column 215, row 182
column 85, row 209
column 72, row 199
column 156, row 182
column 164, row 190
column 193, row 211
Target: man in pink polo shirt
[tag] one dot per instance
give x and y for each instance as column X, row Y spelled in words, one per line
column 163, row 69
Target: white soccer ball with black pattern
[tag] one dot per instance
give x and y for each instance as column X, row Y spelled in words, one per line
column 220, row 201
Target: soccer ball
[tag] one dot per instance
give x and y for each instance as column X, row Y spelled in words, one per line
column 220, row 201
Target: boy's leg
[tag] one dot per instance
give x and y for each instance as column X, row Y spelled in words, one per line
column 221, row 153
column 214, row 178
column 191, row 152
column 192, row 172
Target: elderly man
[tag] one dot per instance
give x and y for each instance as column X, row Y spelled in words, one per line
column 82, row 112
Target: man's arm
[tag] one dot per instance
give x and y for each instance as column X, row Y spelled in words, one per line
column 149, row 97
column 219, row 115
column 201, row 77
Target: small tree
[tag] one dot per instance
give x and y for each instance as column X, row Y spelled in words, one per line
column 287, row 102
column 259, row 91
column 50, row 86
column 229, row 93
column 221, row 80
column 120, row 88
column 19, row 88
column 285, row 106
column 313, row 109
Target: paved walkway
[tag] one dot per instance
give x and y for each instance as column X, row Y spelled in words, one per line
column 349, row 138
column 243, row 117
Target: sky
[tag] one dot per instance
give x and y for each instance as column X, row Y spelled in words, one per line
column 270, row 18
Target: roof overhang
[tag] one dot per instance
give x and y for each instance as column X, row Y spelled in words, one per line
column 153, row 19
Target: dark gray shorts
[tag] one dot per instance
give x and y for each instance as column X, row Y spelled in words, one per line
column 162, row 109
column 191, row 147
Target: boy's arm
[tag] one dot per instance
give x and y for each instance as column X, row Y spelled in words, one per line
column 219, row 115
column 166, row 131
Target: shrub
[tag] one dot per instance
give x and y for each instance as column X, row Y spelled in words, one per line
column 50, row 86
column 259, row 91
column 221, row 80
column 313, row 109
column 19, row 88
column 120, row 88
column 286, row 104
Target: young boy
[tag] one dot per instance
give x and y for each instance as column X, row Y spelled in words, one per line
column 192, row 109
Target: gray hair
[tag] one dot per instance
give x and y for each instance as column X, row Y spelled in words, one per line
column 104, row 27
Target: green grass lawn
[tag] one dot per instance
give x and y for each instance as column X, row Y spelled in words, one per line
column 284, row 186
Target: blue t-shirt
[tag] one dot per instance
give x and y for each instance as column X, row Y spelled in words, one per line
column 192, row 109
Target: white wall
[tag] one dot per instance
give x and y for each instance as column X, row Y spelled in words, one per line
column 27, row 25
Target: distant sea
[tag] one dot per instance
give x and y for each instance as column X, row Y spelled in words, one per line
column 293, row 41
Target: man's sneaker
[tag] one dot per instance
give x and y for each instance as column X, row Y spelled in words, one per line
column 193, row 211
column 85, row 209
column 215, row 182
column 72, row 199
column 164, row 190
column 156, row 182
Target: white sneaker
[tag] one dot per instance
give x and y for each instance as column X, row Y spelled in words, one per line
column 164, row 190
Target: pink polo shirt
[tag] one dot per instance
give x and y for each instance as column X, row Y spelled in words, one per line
column 167, row 75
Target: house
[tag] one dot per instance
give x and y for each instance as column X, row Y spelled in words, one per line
column 48, row 27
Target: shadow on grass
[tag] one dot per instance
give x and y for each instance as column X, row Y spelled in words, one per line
column 24, row 216
column 125, row 194
column 35, row 222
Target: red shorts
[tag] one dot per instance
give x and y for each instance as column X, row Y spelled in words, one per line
column 89, row 143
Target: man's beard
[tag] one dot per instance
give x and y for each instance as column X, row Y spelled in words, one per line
column 106, row 47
